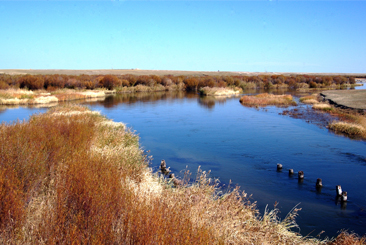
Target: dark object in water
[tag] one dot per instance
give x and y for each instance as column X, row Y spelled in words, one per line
column 339, row 190
column 291, row 171
column 163, row 168
column 319, row 183
column 344, row 196
column 279, row 166
column 301, row 174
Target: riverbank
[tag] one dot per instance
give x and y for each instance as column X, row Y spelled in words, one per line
column 266, row 99
column 347, row 106
column 27, row 97
column 208, row 91
column 349, row 99
column 70, row 175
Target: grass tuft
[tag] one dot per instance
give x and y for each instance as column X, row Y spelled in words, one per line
column 323, row 107
column 266, row 99
column 347, row 128
column 310, row 99
column 345, row 238
column 216, row 91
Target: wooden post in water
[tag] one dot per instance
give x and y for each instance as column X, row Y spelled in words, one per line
column 300, row 174
column 344, row 196
column 279, row 167
column 339, row 190
column 291, row 171
column 319, row 183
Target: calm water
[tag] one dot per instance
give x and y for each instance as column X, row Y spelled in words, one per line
column 244, row 145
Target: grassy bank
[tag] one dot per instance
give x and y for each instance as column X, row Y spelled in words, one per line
column 266, row 99
column 27, row 97
column 72, row 176
column 351, row 122
column 215, row 91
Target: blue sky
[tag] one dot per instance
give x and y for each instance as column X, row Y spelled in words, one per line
column 273, row 36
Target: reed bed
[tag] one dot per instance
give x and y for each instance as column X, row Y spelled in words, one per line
column 351, row 122
column 70, row 176
column 266, row 99
column 310, row 99
column 216, row 91
column 189, row 81
column 322, row 106
column 351, row 129
column 25, row 97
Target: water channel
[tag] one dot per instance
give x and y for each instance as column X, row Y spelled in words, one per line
column 244, row 145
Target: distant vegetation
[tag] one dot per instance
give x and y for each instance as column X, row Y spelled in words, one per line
column 133, row 83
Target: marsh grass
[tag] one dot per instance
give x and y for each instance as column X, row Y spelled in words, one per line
column 70, row 176
column 153, row 88
column 322, row 106
column 351, row 123
column 266, row 99
column 25, row 97
column 310, row 99
column 346, row 238
column 351, row 129
column 217, row 91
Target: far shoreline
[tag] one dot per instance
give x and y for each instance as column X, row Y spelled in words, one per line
column 161, row 72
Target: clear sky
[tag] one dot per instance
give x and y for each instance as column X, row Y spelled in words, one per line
column 273, row 36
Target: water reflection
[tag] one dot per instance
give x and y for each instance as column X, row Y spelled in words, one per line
column 210, row 101
column 132, row 98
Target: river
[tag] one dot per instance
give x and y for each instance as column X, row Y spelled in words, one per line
column 243, row 145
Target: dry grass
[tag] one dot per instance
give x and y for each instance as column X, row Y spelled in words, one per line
column 310, row 99
column 351, row 122
column 322, row 106
column 155, row 88
column 345, row 238
column 348, row 128
column 25, row 97
column 266, row 99
column 70, row 176
column 216, row 91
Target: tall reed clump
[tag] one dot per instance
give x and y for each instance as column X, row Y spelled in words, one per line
column 267, row 99
column 216, row 91
column 351, row 129
column 70, row 176
column 310, row 99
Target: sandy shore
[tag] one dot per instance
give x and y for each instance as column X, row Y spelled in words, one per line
column 355, row 99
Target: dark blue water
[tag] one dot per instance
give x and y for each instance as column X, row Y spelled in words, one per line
column 244, row 145
column 15, row 113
